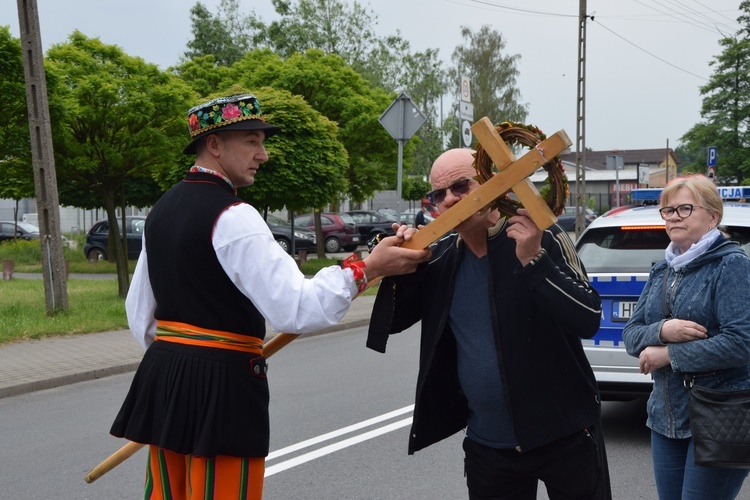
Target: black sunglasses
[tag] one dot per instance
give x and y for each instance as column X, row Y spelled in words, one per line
column 458, row 188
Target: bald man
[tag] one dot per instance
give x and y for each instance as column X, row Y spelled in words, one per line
column 503, row 307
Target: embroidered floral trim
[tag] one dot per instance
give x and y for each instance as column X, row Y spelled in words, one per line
column 204, row 170
column 220, row 112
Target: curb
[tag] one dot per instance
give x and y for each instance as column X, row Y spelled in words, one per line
column 126, row 367
column 53, row 382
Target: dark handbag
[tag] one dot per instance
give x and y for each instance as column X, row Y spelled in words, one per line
column 719, row 420
column 720, row 423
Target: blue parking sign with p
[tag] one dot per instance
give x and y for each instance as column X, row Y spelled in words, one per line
column 712, row 154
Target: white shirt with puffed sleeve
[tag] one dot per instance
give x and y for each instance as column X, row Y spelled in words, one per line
column 263, row 272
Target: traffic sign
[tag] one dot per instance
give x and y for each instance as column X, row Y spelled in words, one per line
column 466, row 111
column 615, row 162
column 402, row 119
column 465, row 89
column 643, row 173
column 466, row 133
column 713, row 153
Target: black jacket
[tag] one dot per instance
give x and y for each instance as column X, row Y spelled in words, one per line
column 539, row 313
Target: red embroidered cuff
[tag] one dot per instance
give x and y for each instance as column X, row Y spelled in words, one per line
column 357, row 266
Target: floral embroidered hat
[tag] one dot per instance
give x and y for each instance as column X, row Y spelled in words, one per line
column 234, row 112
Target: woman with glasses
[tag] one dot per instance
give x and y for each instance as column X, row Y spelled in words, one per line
column 692, row 317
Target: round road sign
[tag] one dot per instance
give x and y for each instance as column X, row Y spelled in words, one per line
column 466, row 133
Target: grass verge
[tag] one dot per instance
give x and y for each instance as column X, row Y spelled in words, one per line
column 93, row 305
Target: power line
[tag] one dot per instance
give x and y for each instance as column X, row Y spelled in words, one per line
column 649, row 53
column 692, row 22
column 525, row 11
column 703, row 21
column 716, row 12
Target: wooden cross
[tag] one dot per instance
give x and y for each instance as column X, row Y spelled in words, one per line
column 503, row 158
column 512, row 176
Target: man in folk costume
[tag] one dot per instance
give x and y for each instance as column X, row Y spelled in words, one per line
column 210, row 274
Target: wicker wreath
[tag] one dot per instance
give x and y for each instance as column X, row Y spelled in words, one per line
column 555, row 189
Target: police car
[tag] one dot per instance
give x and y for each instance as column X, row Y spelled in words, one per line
column 618, row 250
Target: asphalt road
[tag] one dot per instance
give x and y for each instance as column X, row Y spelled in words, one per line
column 339, row 416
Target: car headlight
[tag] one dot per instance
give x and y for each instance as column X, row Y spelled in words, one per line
column 301, row 236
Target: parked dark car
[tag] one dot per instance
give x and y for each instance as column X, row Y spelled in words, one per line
column 282, row 232
column 412, row 213
column 24, row 231
column 567, row 220
column 372, row 223
column 339, row 230
column 97, row 238
column 19, row 230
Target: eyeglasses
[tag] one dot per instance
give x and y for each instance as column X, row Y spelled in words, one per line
column 683, row 211
column 458, row 188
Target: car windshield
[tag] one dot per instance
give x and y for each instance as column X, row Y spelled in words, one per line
column 635, row 250
column 347, row 219
column 29, row 228
column 384, row 217
column 618, row 250
column 275, row 221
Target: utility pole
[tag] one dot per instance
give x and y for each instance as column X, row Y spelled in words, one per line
column 42, row 157
column 581, row 202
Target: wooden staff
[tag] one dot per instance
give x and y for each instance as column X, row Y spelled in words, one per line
column 512, row 177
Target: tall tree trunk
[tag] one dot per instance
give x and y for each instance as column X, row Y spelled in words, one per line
column 124, row 239
column 115, row 248
column 320, row 246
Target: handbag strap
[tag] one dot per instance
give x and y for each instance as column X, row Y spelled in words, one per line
column 666, row 311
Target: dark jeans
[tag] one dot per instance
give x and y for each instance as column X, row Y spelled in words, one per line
column 678, row 478
column 573, row 467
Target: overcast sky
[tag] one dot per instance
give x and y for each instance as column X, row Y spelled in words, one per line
column 645, row 59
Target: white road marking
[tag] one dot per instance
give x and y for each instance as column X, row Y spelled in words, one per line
column 331, row 448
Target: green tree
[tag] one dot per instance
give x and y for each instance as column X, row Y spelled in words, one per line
column 347, row 29
column 203, row 75
column 226, row 36
column 124, row 120
column 333, row 26
column 335, row 90
column 688, row 157
column 493, row 76
column 726, row 109
column 414, row 188
column 16, row 171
